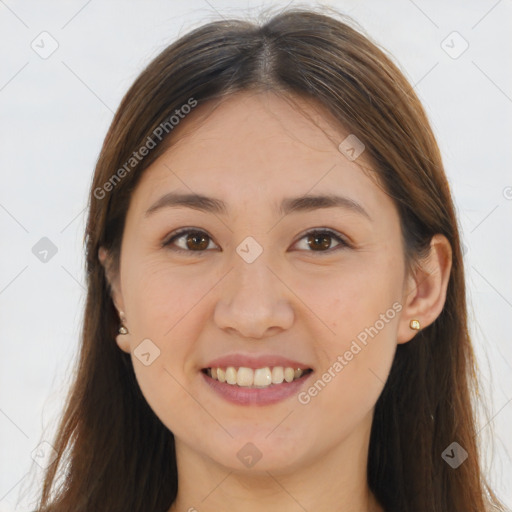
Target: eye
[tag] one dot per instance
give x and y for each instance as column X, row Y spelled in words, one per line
column 198, row 241
column 322, row 239
column 192, row 240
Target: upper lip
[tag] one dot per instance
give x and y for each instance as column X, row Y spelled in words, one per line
column 252, row 361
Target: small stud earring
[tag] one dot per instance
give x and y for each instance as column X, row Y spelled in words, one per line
column 415, row 324
column 122, row 329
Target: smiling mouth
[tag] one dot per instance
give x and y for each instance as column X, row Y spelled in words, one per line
column 258, row 377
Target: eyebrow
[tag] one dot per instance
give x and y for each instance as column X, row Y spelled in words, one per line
column 288, row 205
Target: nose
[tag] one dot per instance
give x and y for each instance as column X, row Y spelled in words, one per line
column 254, row 302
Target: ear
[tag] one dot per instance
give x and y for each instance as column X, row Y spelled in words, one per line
column 425, row 291
column 115, row 292
column 112, row 278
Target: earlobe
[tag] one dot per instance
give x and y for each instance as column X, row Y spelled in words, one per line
column 425, row 295
column 122, row 339
column 102, row 255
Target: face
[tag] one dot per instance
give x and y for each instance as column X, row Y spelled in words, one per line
column 262, row 279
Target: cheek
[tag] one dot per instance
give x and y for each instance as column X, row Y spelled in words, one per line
column 360, row 308
column 356, row 363
column 155, row 302
column 163, row 298
column 165, row 308
column 349, row 301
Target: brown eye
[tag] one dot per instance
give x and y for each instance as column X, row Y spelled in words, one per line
column 196, row 241
column 189, row 240
column 321, row 241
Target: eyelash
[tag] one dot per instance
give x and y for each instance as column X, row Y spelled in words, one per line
column 332, row 234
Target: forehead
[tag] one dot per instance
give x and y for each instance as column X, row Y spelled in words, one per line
column 259, row 146
column 260, row 127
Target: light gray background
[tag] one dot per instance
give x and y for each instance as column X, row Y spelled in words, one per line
column 55, row 113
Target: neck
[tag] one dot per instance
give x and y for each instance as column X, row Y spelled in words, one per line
column 334, row 481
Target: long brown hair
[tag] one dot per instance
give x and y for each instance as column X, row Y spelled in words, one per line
column 114, row 454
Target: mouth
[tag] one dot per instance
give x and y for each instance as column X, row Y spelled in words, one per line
column 256, row 378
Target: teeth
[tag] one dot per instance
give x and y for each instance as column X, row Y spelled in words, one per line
column 262, row 377
column 245, row 377
column 231, row 375
column 258, row 378
column 277, row 375
column 289, row 374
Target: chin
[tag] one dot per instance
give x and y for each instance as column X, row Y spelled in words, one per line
column 255, row 453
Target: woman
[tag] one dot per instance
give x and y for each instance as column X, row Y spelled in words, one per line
column 276, row 315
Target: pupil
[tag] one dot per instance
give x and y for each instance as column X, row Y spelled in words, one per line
column 195, row 238
column 325, row 241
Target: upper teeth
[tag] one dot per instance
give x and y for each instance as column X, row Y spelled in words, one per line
column 260, row 377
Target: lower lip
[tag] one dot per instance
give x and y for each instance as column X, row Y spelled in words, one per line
column 256, row 396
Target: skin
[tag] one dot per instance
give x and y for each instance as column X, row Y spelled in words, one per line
column 251, row 151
